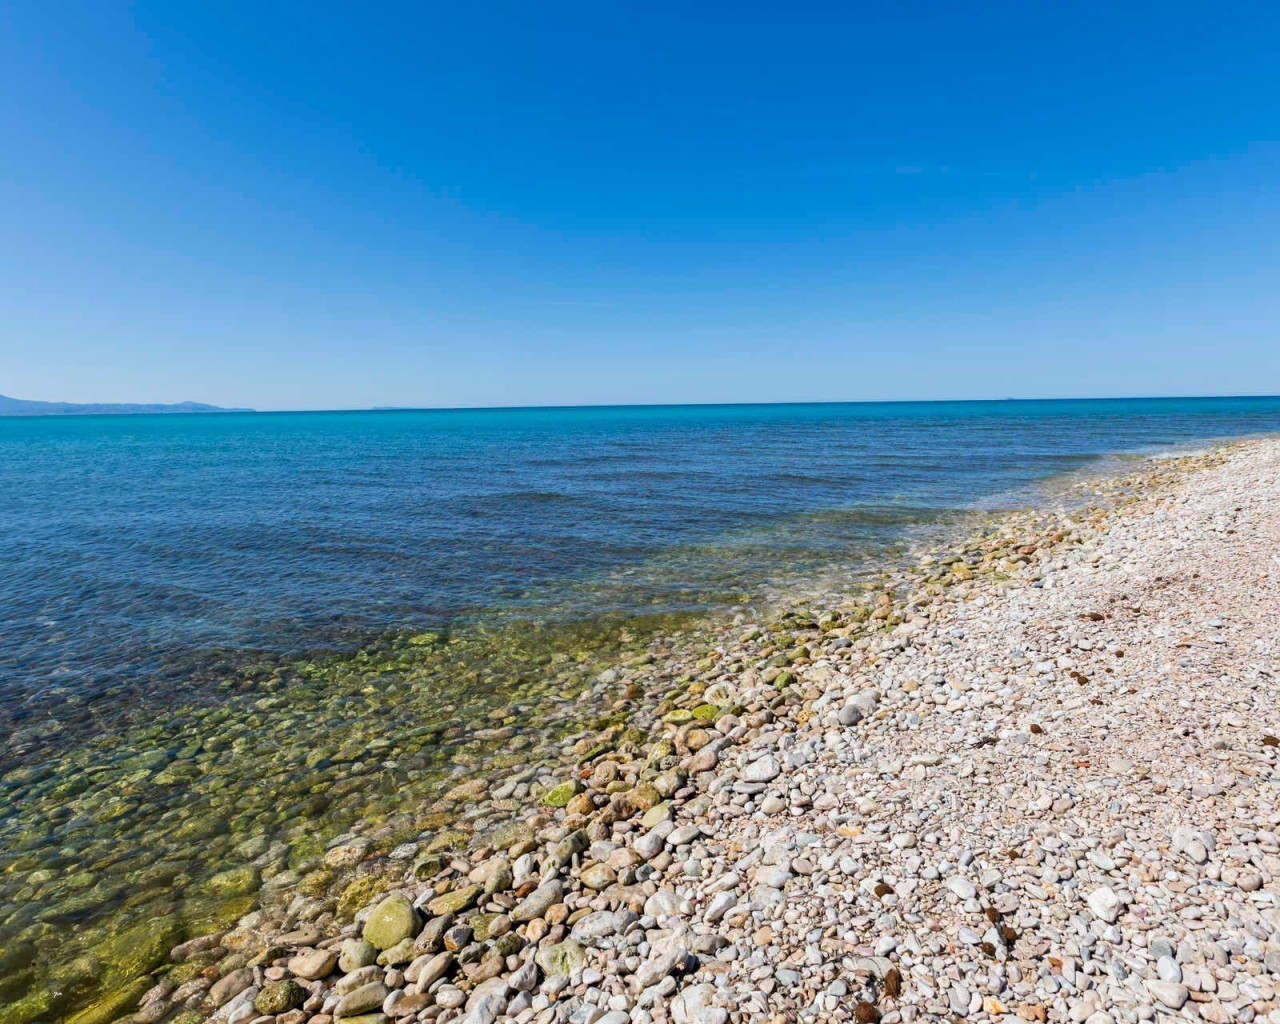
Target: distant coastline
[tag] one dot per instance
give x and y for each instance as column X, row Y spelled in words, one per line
column 28, row 407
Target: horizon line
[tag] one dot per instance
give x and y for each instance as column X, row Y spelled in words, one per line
column 233, row 411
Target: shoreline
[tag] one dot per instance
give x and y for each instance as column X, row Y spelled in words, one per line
column 697, row 737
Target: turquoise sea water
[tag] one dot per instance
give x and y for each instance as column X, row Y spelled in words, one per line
column 144, row 551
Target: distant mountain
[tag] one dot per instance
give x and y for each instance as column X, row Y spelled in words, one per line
column 25, row 407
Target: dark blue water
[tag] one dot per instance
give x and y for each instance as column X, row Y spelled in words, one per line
column 140, row 550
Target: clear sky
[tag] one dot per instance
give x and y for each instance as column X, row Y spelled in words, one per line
column 319, row 205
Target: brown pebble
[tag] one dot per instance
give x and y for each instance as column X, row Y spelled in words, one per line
column 893, row 983
column 865, row 1013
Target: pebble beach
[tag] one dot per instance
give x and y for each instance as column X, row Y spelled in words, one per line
column 1024, row 779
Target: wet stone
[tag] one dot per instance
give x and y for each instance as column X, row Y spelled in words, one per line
column 391, row 921
column 455, row 902
column 318, row 963
column 356, row 953
column 279, row 996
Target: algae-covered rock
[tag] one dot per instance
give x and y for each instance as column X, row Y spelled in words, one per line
column 16, row 954
column 359, row 894
column 400, row 953
column 114, row 1004
column 33, row 1006
column 562, row 959
column 393, row 920
column 480, row 924
column 316, row 883
column 656, row 814
column 508, row 944
column 455, row 902
column 564, row 851
column 450, row 839
column 644, row 796
column 505, row 836
column 182, row 973
column 560, row 795
column 139, row 949
column 468, row 792
column 279, row 996
column 347, row 855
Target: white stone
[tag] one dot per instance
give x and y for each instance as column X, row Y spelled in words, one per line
column 963, row 888
column 763, row 769
column 1105, row 904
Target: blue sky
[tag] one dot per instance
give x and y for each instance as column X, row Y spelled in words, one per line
column 343, row 205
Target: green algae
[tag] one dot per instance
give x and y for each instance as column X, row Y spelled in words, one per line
column 279, row 996
column 151, row 833
column 560, row 795
column 111, row 1006
column 391, row 922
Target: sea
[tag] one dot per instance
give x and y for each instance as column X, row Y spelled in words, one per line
column 140, row 550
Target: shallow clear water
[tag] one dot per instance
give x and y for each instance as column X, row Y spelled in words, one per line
column 144, row 551
column 172, row 734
